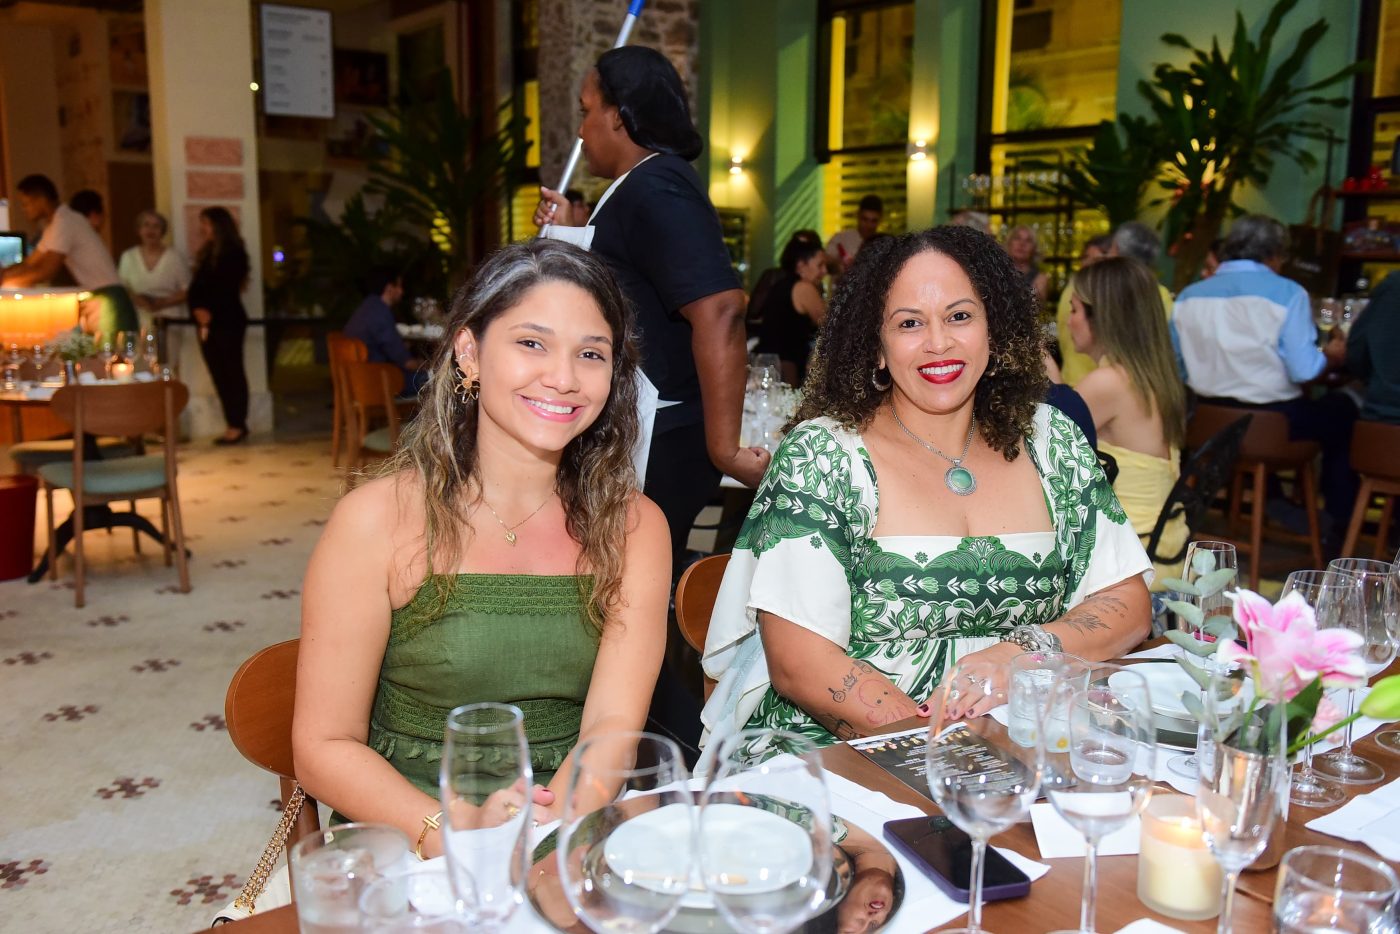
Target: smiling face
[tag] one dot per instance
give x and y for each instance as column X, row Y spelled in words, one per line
column 1080, row 331
column 934, row 338
column 600, row 127
column 545, row 367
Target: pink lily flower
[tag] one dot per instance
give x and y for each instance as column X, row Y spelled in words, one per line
column 1286, row 652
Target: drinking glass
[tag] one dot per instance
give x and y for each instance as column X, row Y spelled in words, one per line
column 1390, row 739
column 626, row 841
column 767, row 369
column 1204, row 558
column 1029, row 694
column 106, row 353
column 1102, row 778
column 1333, row 597
column 1327, row 888
column 420, row 899
column 485, row 781
column 983, row 782
column 1239, row 792
column 332, row 867
column 13, row 361
column 1377, row 651
column 150, row 351
column 765, row 845
column 126, row 346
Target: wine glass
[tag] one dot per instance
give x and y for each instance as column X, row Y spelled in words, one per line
column 1327, row 888
column 983, row 782
column 106, row 353
column 150, row 351
column 485, row 780
column 1239, row 787
column 1377, row 651
column 1334, row 597
column 626, row 839
column 765, row 845
column 1103, row 778
column 1390, row 739
column 13, row 361
column 1204, row 559
column 126, row 346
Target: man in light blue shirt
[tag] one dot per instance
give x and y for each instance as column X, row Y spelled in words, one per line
column 1248, row 340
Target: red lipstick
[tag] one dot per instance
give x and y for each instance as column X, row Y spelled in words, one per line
column 947, row 371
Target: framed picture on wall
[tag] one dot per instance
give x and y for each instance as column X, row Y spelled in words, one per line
column 131, row 120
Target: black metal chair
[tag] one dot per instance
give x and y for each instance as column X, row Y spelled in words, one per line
column 1109, row 465
column 1205, row 473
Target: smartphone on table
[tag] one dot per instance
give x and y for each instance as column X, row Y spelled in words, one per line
column 945, row 854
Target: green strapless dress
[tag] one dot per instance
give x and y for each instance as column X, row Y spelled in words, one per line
column 512, row 639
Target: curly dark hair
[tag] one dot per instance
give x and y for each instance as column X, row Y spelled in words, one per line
column 839, row 382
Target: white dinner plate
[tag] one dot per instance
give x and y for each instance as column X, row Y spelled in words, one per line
column 1166, row 682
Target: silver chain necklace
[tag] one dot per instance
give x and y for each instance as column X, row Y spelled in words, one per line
column 957, row 478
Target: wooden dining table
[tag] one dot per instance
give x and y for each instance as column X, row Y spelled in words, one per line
column 1053, row 902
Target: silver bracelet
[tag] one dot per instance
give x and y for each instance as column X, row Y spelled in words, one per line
column 1034, row 638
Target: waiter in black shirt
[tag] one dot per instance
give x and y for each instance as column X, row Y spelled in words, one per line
column 659, row 234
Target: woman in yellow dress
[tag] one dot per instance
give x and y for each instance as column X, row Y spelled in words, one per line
column 1135, row 395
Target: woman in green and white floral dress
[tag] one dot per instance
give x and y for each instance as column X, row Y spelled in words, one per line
column 899, row 528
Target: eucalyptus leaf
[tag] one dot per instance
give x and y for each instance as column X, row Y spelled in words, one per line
column 1180, row 586
column 1211, row 584
column 1187, row 611
column 1203, row 561
column 1197, row 673
column 1190, row 643
column 1193, row 705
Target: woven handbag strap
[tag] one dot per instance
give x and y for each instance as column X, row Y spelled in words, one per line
column 258, row 880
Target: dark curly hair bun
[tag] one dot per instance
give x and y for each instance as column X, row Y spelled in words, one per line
column 839, row 377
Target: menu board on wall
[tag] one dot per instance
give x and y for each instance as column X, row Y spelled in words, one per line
column 298, row 78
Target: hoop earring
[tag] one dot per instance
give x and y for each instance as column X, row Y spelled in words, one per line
column 468, row 387
column 875, row 379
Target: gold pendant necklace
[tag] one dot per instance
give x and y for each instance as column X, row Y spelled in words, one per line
column 510, row 529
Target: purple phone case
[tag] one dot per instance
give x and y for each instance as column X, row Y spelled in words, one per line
column 990, row 893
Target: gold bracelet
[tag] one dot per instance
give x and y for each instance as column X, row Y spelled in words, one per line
column 431, row 822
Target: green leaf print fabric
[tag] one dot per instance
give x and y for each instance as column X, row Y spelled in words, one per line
column 806, row 554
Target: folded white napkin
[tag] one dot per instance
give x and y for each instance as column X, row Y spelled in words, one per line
column 1058, row 839
column 1165, row 650
column 40, row 392
column 1372, row 819
column 1148, row 926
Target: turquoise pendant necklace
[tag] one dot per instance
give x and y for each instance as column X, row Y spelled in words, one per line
column 957, row 478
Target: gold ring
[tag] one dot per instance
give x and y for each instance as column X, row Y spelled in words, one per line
column 512, row 810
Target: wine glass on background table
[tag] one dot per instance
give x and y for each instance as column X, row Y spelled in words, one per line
column 1334, row 597
column 150, row 350
column 1390, row 739
column 983, row 782
column 626, row 846
column 1377, row 651
column 1103, row 778
column 107, row 353
column 764, row 841
column 1206, row 563
column 1327, row 888
column 486, row 793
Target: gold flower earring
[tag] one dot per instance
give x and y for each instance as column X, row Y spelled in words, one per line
column 468, row 386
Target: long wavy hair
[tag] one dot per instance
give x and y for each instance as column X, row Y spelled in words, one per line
column 225, row 246
column 839, row 383
column 1123, row 303
column 596, row 479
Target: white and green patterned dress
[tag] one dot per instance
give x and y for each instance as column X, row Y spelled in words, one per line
column 907, row 605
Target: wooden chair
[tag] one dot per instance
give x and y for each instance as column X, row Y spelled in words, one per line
column 125, row 410
column 1265, row 449
column 1206, row 472
column 695, row 603
column 370, row 389
column 1375, row 456
column 258, row 711
column 341, row 350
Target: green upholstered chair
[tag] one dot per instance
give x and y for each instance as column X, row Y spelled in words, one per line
column 124, row 410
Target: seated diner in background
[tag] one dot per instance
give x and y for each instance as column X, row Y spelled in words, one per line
column 1249, row 341
column 69, row 242
column 793, row 308
column 1134, row 392
column 503, row 554
column 1373, row 352
column 925, row 509
column 373, row 323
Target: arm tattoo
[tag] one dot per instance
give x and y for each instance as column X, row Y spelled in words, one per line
column 1088, row 616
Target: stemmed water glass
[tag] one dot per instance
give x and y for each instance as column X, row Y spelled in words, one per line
column 625, row 848
column 1377, row 651
column 1238, row 792
column 150, row 351
column 1334, row 597
column 764, row 842
column 1103, row 779
column 983, row 782
column 1327, row 888
column 106, row 353
column 486, row 794
column 1202, row 559
column 1390, row 739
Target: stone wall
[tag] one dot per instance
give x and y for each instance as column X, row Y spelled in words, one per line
column 573, row 33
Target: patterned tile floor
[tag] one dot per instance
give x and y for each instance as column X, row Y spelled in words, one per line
column 123, row 805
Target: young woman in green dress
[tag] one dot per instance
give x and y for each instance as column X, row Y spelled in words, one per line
column 925, row 509
column 503, row 554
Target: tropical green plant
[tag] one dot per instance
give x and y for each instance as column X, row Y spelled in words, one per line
column 1225, row 121
column 441, row 168
column 1113, row 173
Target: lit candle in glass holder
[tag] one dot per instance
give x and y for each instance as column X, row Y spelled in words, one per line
column 1177, row 876
column 123, row 372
